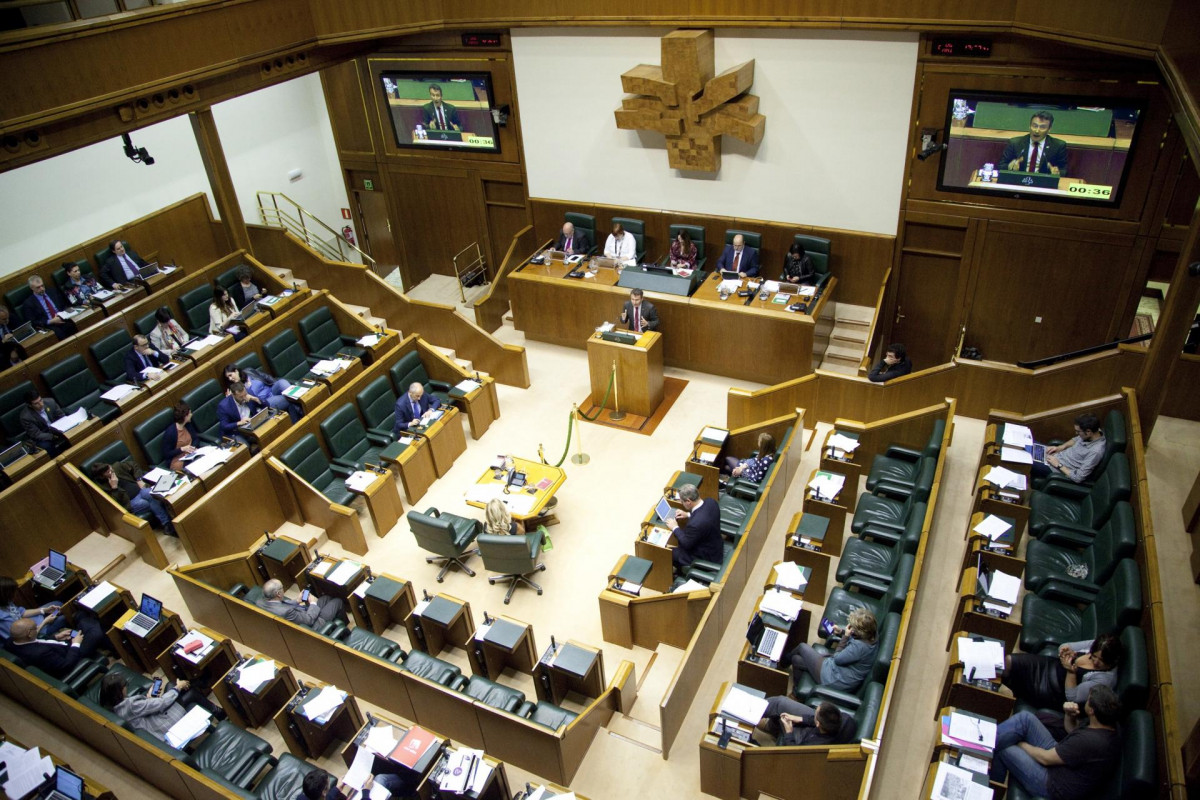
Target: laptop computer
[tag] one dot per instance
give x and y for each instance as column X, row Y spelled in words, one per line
column 767, row 642
column 730, row 275
column 67, row 785
column 258, row 418
column 164, row 484
column 664, row 510
column 23, row 332
column 1038, row 451
column 55, row 570
column 148, row 270
column 12, row 454
column 147, row 617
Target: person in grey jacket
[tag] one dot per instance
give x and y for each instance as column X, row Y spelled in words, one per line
column 154, row 715
column 306, row 613
column 845, row 668
column 1070, row 676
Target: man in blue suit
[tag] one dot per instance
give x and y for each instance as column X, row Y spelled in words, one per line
column 43, row 308
column 412, row 408
column 235, row 409
column 140, row 356
column 739, row 258
column 59, row 655
column 700, row 536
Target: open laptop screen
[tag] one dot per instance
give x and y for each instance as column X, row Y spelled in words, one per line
column 58, row 561
column 150, row 607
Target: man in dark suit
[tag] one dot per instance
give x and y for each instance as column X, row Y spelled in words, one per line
column 307, row 613
column 142, row 355
column 437, row 115
column 700, row 536
column 11, row 350
column 638, row 314
column 739, row 258
column 1037, row 152
column 35, row 420
column 57, row 656
column 121, row 267
column 412, row 408
column 235, row 408
column 43, row 308
column 571, row 241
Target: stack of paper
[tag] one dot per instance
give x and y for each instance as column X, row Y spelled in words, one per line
column 1004, row 587
column 1005, row 478
column 467, row 386
column 360, row 480
column 826, row 485
column 1015, row 455
column 295, row 390
column 27, row 770
column 343, row 572
column 807, row 291
column 252, row 677
column 980, row 659
column 205, row 462
column 321, row 568
column 154, row 475
column 361, row 589
column 955, row 783
column 605, row 328
column 64, row 424
column 707, row 458
column 729, row 287
column 841, row 442
column 781, row 604
column 152, row 373
column 320, row 708
column 964, row 730
column 658, row 536
column 206, row 646
column 118, row 392
column 381, row 739
column 789, row 575
column 741, row 705
column 1017, row 435
column 992, row 527
column 690, row 585
column 97, row 595
column 327, row 366
column 194, row 723
column 370, row 340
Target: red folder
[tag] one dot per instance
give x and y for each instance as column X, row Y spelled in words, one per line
column 415, row 744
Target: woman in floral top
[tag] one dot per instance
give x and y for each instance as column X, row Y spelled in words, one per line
column 755, row 467
column 79, row 290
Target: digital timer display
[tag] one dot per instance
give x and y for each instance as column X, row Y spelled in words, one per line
column 481, row 40
column 962, row 48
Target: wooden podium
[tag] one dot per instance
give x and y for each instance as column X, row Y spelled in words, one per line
column 639, row 372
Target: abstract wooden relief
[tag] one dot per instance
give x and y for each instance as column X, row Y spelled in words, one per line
column 684, row 101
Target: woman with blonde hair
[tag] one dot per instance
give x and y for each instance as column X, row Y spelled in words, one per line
column 845, row 667
column 499, row 521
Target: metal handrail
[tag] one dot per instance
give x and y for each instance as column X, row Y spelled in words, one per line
column 475, row 267
column 305, row 226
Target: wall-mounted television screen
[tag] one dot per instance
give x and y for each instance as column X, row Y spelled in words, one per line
column 1068, row 149
column 441, row 110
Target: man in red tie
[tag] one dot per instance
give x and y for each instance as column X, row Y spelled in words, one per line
column 639, row 315
column 437, row 115
column 43, row 308
column 739, row 257
column 1037, row 152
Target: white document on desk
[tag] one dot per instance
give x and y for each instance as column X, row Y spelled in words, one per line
column 955, row 783
column 251, row 678
column 370, row 340
column 27, row 772
column 206, row 645
column 781, row 604
column 381, row 739
column 973, row 729
column 1005, row 478
column 64, row 424
column 789, row 575
column 118, row 393
column 690, row 585
column 842, row 442
column 203, row 464
column 483, row 492
column 97, row 594
column 343, row 572
column 1015, row 455
column 1017, row 435
column 992, row 527
column 360, row 769
column 1004, row 587
column 324, row 704
column 467, row 386
column 742, row 705
column 980, row 659
column 658, row 536
column 360, row 480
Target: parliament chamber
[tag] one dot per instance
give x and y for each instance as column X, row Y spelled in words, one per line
column 581, row 655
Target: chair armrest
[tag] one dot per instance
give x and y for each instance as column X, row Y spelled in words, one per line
column 342, row 467
column 313, row 359
column 1081, row 531
column 745, row 490
column 881, row 532
column 347, row 338
column 866, row 585
column 378, row 439
column 905, row 453
column 1065, row 537
column 458, row 684
column 398, row 655
column 881, row 577
column 1069, row 590
column 239, row 590
column 248, row 768
column 835, row 696
column 440, row 386
column 896, row 491
column 1066, row 488
column 525, row 710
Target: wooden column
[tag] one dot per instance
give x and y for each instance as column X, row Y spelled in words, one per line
column 1171, row 331
column 207, row 139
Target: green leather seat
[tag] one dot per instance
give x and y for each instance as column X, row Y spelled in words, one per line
column 867, row 715
column 409, row 370
column 635, row 228
column 1063, row 507
column 325, row 340
column 111, row 453
column 144, row 324
column 284, row 356
column 434, row 669
column 1063, row 614
column 493, row 694
column 229, row 277
column 585, row 223
column 194, row 305
column 878, row 598
column 450, row 536
column 696, row 234
column 203, row 401
column 134, row 682
column 373, row 644
column 308, row 460
column 736, row 510
column 514, row 557
column 149, row 435
column 60, row 274
column 348, row 441
column 109, row 354
column 878, row 558
column 15, row 299
column 550, row 715
column 285, row 780
column 1116, row 438
column 902, row 465
column 750, row 238
column 235, row 755
column 1061, row 551
column 74, row 386
column 811, row 693
column 890, row 504
column 76, row 682
column 819, row 252
column 11, row 402
column 377, row 404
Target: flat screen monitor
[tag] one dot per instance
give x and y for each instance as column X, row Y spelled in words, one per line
column 1065, row 149
column 441, row 110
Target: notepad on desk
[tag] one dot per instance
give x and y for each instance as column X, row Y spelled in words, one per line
column 251, row 678
column 1015, row 455
column 1017, row 435
column 1006, row 478
column 980, row 659
column 98, row 594
column 992, row 527
column 343, row 572
column 740, row 705
column 64, row 424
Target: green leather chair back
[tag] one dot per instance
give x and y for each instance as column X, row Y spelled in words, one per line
column 894, row 599
column 1117, row 604
column 407, row 371
column 1116, row 438
column 888, row 633
column 751, row 238
column 134, row 682
column 1138, row 772
column 224, row 750
column 818, row 250
column 60, row 274
column 511, row 555
column 11, row 402
column 436, row 534
column 71, row 383
column 637, row 228
column 1133, row 673
column 149, row 434
column 934, row 446
column 15, row 298
column 145, row 324
column 493, row 694
column 109, row 353
column 109, row 454
column 249, row 361
column 868, row 712
column 194, row 305
column 1115, row 541
column 377, row 403
column 695, row 232
column 1110, row 488
column 103, row 254
column 320, row 333
column 229, row 277
column 344, row 434
column 285, row 358
column 582, row 222
column 203, row 401
column 307, row 460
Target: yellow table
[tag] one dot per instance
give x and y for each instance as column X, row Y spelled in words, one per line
column 535, row 473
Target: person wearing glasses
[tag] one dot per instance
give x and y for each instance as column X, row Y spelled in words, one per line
column 1079, row 455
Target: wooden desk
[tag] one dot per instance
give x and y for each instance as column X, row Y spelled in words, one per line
column 535, row 472
column 278, row 304
column 481, row 405
column 267, row 432
column 496, row 787
column 166, row 276
column 164, row 379
column 31, row 594
column 182, row 496
column 446, row 439
column 351, row 368
column 386, row 341
column 141, row 654
column 205, row 672
column 968, row 618
column 306, row 738
column 639, row 366
column 397, row 731
column 282, row 558
column 834, row 510
column 253, row 709
column 91, row 789
column 758, row 671
column 239, row 454
column 571, row 667
column 83, row 430
column 504, row 643
column 986, row 701
column 810, row 544
column 309, row 393
column 110, row 609
column 847, row 463
column 198, row 353
column 315, row 577
column 382, row 601
column 412, row 458
column 662, row 571
column 978, row 549
column 38, row 341
column 443, row 622
column 121, row 300
column 383, row 502
column 25, row 464
column 1012, row 503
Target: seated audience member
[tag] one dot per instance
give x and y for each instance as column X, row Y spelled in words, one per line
column 123, row 482
column 700, row 535
column 683, row 251
column 412, row 408
column 46, row 619
column 798, row 267
column 235, row 410
column 739, row 257
column 58, row 655
column 639, row 314
column 244, row 292
column 794, row 724
column 320, row 785
column 43, row 308
column 1079, row 667
column 141, row 356
column 1079, row 455
column 621, row 246
column 849, row 663
column 755, row 467
column 266, row 387
column 146, row 712
column 223, row 315
column 79, row 289
column 1078, row 766
column 35, row 419
column 167, row 335
column 895, row 363
column 572, row 241
column 11, row 351
column 180, row 438
column 499, row 521
column 307, row 613
column 122, row 267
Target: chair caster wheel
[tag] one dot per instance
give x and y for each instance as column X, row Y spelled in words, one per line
column 441, row 579
column 539, row 592
column 505, row 602
column 491, row 581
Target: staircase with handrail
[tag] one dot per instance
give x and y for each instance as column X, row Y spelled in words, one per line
column 280, row 211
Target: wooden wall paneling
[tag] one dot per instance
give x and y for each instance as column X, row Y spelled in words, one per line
column 208, row 529
column 37, row 512
column 1182, row 400
column 548, row 218
column 507, row 213
column 349, row 109
column 927, row 317
column 1083, row 19
column 1140, row 263
column 441, row 213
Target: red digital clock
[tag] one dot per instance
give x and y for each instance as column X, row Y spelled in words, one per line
column 959, row 47
column 481, row 40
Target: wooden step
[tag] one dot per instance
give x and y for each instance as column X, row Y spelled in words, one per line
column 844, row 355
column 841, row 369
column 447, row 352
column 849, row 337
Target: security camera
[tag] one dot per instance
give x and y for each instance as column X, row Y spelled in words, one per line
column 137, row 155
column 929, row 145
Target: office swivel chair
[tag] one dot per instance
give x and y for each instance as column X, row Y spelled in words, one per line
column 448, row 535
column 514, row 556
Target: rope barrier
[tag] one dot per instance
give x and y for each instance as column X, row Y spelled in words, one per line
column 612, row 376
column 571, row 421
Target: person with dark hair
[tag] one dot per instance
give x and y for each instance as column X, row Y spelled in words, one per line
column 44, row 308
column 621, row 246
column 167, row 335
column 266, row 387
column 1074, row 768
column 35, row 419
column 154, row 714
column 756, row 466
column 850, row 662
column 179, row 438
column 798, row 266
column 223, row 315
column 235, row 410
column 699, row 536
column 142, row 356
column 244, row 291
column 1079, row 667
column 794, row 724
column 320, row 785
column 11, row 351
column 895, row 363
column 1079, row 455
column 1037, row 151
column 79, row 289
column 639, row 314
column 438, row 115
column 122, row 481
column 122, row 267
column 46, row 619
column 58, row 655
column 683, row 251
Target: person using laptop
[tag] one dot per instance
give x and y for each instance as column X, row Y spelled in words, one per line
column 154, row 714
column 895, row 363
column 794, row 724
column 58, row 655
column 35, row 419
column 244, row 292
column 44, row 309
column 123, row 267
column 122, row 481
column 798, row 266
column 78, row 289
column 179, row 439
column 11, row 351
column 46, row 618
column 265, row 386
column 639, row 314
column 140, row 356
column 846, row 666
column 739, row 257
column 1078, row 456
column 167, row 336
column 413, row 408
column 699, row 535
column 307, row 612
column 621, row 246
column 235, row 410
column 571, row 241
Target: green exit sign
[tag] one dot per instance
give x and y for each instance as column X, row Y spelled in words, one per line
column 368, row 184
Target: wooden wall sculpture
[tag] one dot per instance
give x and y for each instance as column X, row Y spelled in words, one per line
column 685, row 102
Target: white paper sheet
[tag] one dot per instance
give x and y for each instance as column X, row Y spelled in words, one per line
column 26, row 772
column 1004, row 587
column 842, row 442
column 203, row 464
column 1015, row 455
column 826, row 485
column 711, row 434
column 781, row 604
column 1005, row 478
column 324, row 704
column 955, row 783
column 360, row 480
column 252, row 677
column 743, row 706
column 152, row 477
column 982, row 657
column 118, row 392
column 378, row 793
column 992, row 527
column 658, row 536
column 370, row 340
column 360, row 768
column 206, row 645
column 1017, row 435
column 381, row 739
column 789, row 575
column 343, row 572
column 64, row 424
column 194, row 723
column 974, row 730
column 690, row 585
column 96, row 595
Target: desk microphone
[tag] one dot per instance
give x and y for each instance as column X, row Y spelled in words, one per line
column 553, row 644
column 726, row 734
column 269, row 535
column 486, row 619
column 427, row 598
